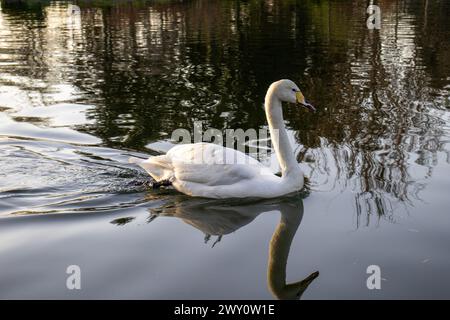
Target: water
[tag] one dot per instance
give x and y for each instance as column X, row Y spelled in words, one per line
column 81, row 93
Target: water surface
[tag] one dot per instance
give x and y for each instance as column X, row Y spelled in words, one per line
column 80, row 93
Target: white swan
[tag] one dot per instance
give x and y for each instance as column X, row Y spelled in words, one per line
column 212, row 171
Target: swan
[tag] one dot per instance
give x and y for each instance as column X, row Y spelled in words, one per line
column 225, row 173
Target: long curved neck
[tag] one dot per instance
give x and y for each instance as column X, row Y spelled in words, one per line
column 278, row 133
column 280, row 245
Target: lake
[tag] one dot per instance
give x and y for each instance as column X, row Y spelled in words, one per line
column 83, row 88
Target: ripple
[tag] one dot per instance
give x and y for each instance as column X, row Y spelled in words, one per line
column 47, row 176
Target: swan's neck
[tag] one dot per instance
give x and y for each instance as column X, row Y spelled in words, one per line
column 279, row 136
column 280, row 245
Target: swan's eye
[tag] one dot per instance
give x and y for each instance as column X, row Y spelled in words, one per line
column 294, row 90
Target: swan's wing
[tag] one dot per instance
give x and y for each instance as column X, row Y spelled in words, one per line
column 214, row 174
column 213, row 165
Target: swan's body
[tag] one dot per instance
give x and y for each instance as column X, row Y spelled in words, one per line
column 222, row 173
column 212, row 171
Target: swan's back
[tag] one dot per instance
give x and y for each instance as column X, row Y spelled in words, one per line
column 209, row 154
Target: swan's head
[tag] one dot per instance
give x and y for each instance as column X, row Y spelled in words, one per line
column 293, row 291
column 288, row 91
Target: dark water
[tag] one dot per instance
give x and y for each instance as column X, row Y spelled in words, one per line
column 81, row 93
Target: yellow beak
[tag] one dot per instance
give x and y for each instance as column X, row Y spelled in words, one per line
column 300, row 97
column 301, row 100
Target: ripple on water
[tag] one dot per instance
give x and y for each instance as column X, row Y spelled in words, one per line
column 47, row 176
column 11, row 128
column 58, row 115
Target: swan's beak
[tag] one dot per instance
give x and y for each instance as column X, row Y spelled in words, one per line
column 307, row 281
column 301, row 100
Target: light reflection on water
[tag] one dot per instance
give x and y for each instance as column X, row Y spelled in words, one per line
column 80, row 94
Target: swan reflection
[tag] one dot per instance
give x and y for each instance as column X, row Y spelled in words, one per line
column 221, row 217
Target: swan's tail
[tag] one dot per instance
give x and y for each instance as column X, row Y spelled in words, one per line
column 135, row 160
column 158, row 167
